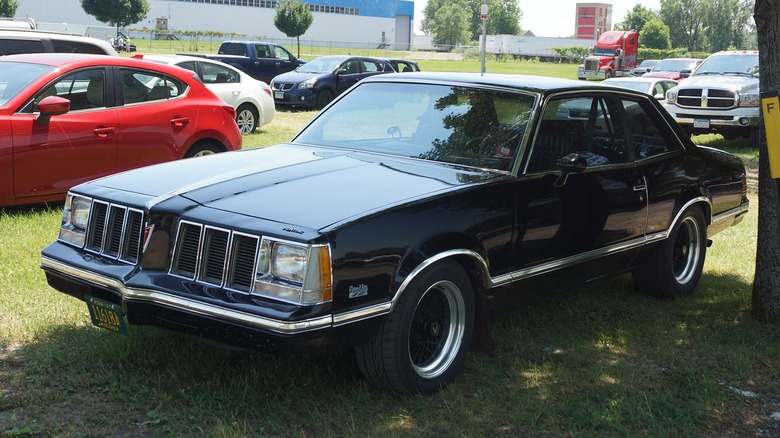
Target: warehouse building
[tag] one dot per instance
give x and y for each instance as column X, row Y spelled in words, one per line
column 341, row 23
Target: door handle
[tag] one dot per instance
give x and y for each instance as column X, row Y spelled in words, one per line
column 640, row 188
column 180, row 122
column 104, row 132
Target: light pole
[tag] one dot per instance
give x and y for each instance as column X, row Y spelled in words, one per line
column 483, row 10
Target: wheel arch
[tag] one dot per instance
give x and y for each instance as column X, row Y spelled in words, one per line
column 207, row 140
column 698, row 199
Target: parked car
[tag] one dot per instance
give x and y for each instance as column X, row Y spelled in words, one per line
column 655, row 87
column 721, row 96
column 399, row 219
column 674, row 68
column 317, row 82
column 644, row 67
column 251, row 98
column 35, row 41
column 403, row 65
column 69, row 118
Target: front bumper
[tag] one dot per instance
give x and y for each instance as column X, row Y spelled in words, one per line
column 296, row 97
column 740, row 117
column 151, row 300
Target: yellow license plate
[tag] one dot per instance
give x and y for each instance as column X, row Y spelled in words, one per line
column 106, row 314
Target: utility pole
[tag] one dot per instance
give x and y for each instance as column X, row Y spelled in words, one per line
column 483, row 10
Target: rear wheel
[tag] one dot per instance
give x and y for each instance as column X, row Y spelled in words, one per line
column 675, row 267
column 201, row 149
column 423, row 343
column 246, row 119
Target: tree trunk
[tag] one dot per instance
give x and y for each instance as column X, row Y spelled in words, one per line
column 766, row 286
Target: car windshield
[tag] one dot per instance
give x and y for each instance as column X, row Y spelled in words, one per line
column 459, row 125
column 16, row 76
column 674, row 65
column 746, row 64
column 648, row 63
column 320, row 65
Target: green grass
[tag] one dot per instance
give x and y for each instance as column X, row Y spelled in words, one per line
column 600, row 361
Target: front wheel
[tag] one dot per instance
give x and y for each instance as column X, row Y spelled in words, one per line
column 423, row 343
column 324, row 97
column 246, row 119
column 675, row 267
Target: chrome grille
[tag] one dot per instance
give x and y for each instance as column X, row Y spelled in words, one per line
column 215, row 256
column 706, row 98
column 591, row 64
column 115, row 231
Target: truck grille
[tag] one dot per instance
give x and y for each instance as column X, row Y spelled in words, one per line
column 591, row 64
column 115, row 231
column 215, row 256
column 706, row 98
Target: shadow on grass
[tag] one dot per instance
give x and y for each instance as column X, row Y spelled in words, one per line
column 599, row 360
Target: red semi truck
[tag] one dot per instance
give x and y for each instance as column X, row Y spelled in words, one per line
column 613, row 55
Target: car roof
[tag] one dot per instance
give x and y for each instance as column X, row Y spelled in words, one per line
column 76, row 60
column 635, row 79
column 540, row 84
column 37, row 34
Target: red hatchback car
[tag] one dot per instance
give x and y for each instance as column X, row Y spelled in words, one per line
column 67, row 118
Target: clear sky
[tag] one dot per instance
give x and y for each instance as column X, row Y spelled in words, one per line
column 554, row 18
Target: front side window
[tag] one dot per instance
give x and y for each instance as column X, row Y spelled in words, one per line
column 85, row 89
column 459, row 125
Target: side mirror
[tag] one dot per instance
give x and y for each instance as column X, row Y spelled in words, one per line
column 684, row 73
column 570, row 163
column 52, row 106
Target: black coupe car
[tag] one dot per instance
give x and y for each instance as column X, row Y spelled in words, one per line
column 399, row 218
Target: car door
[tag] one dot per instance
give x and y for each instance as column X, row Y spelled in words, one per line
column 589, row 222
column 156, row 118
column 71, row 148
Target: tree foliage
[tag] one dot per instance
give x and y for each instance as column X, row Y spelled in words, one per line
column 120, row 13
column 636, row 19
column 766, row 284
column 448, row 21
column 708, row 25
column 655, row 35
column 8, row 7
column 503, row 17
column 293, row 18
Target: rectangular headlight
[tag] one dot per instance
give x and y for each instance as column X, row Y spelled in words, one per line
column 75, row 217
column 293, row 272
column 749, row 99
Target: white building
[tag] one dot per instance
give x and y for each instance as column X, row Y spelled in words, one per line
column 338, row 22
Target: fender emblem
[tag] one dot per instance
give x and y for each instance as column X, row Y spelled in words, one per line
column 358, row 291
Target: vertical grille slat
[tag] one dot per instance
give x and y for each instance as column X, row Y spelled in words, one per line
column 187, row 245
column 115, row 231
column 243, row 256
column 215, row 247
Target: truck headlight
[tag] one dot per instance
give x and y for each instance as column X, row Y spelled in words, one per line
column 671, row 96
column 75, row 217
column 749, row 99
column 293, row 272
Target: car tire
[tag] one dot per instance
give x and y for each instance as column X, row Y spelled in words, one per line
column 674, row 269
column 246, row 119
column 608, row 74
column 201, row 149
column 324, row 97
column 422, row 345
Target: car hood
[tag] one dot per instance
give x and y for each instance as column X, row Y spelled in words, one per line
column 293, row 184
column 295, row 77
column 733, row 82
column 663, row 74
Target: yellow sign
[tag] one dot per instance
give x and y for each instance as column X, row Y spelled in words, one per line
column 771, row 108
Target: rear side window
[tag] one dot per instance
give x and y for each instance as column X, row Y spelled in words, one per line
column 12, row 47
column 61, row 46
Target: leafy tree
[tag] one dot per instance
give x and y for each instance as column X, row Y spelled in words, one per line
column 8, row 7
column 636, row 18
column 655, row 35
column 120, row 13
column 729, row 24
column 686, row 19
column 448, row 21
column 766, row 283
column 503, row 17
column 293, row 18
